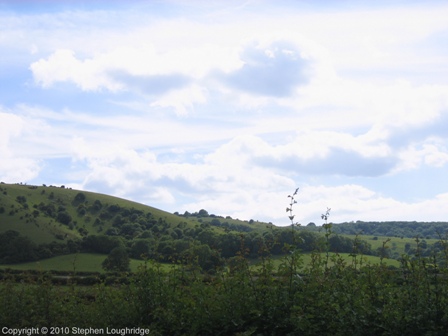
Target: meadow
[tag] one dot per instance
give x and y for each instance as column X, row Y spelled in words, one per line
column 75, row 262
column 91, row 262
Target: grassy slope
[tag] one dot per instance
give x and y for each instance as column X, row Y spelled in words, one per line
column 44, row 229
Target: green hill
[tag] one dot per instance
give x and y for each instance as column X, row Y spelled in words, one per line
column 47, row 214
column 38, row 222
column 43, row 222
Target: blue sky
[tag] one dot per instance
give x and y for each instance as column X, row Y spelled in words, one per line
column 229, row 106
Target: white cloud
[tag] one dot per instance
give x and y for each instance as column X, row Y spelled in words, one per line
column 14, row 167
column 354, row 202
column 64, row 66
column 182, row 100
column 10, row 126
column 431, row 152
column 366, row 39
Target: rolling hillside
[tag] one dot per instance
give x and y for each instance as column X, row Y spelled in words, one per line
column 38, row 222
column 41, row 222
column 48, row 214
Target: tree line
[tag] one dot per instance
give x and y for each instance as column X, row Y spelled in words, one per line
column 425, row 230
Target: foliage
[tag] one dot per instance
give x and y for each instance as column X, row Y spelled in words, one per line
column 59, row 221
column 117, row 260
column 330, row 295
column 16, row 248
column 349, row 297
column 428, row 230
column 101, row 243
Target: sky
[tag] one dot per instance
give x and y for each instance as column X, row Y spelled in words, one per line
column 229, row 106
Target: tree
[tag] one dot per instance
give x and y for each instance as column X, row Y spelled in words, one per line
column 407, row 247
column 80, row 198
column 16, row 248
column 101, row 243
column 117, row 260
column 206, row 258
column 141, row 248
column 203, row 213
column 63, row 217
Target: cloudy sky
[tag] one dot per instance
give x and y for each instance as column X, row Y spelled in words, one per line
column 229, row 106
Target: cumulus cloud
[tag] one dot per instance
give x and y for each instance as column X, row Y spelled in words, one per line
column 63, row 66
column 151, row 85
column 274, row 70
column 182, row 100
column 315, row 153
column 431, row 152
column 144, row 71
column 126, row 172
column 15, row 166
column 17, row 169
column 337, row 162
column 434, row 128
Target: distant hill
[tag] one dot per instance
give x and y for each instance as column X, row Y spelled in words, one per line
column 425, row 230
column 42, row 221
column 48, row 213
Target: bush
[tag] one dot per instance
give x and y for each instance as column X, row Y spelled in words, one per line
column 80, row 198
column 63, row 217
column 117, row 260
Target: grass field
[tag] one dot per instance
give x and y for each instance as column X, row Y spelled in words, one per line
column 396, row 244
column 91, row 262
column 345, row 256
column 82, row 262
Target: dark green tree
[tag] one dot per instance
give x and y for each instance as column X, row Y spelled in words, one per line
column 204, row 256
column 64, row 218
column 101, row 243
column 80, row 198
column 117, row 260
column 141, row 248
column 203, row 213
column 16, row 248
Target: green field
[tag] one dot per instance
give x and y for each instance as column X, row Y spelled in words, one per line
column 91, row 262
column 395, row 244
column 81, row 262
column 366, row 259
